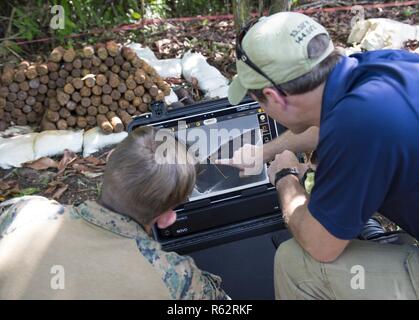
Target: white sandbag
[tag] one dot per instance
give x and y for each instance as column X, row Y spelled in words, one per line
column 194, row 65
column 95, row 139
column 349, row 50
column 54, row 142
column 381, row 33
column 171, row 98
column 221, row 92
column 167, row 68
column 15, row 131
column 144, row 53
column 17, row 150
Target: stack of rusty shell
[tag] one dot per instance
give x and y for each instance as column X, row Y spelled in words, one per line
column 101, row 86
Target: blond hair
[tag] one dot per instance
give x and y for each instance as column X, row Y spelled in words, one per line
column 142, row 184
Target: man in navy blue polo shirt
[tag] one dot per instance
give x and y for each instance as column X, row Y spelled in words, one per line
column 367, row 109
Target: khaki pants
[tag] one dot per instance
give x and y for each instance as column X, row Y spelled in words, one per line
column 365, row 270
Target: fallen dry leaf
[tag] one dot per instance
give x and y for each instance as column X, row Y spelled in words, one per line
column 95, row 161
column 56, row 188
column 52, row 186
column 57, row 195
column 80, row 167
column 108, row 155
column 41, row 164
column 67, row 159
column 15, row 189
column 4, row 185
column 9, row 189
column 91, row 163
column 92, row 175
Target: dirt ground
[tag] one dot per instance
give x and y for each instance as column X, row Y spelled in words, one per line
column 79, row 180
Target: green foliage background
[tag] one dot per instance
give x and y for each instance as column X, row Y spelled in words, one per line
column 30, row 19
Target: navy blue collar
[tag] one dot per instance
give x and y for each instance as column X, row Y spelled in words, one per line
column 337, row 85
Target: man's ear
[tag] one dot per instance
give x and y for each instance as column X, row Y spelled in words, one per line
column 166, row 219
column 274, row 97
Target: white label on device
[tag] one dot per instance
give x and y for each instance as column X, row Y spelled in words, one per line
column 208, row 122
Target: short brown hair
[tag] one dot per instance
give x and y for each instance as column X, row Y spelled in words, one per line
column 315, row 77
column 139, row 185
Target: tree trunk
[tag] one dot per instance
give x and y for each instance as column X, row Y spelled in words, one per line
column 279, row 6
column 241, row 11
column 261, row 7
column 143, row 12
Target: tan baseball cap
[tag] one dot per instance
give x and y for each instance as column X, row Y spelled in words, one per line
column 278, row 46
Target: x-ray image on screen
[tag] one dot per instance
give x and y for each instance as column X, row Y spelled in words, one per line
column 214, row 179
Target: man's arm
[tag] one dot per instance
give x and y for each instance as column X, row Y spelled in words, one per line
column 303, row 142
column 307, row 231
column 181, row 275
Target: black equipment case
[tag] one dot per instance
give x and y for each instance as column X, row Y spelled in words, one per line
column 225, row 223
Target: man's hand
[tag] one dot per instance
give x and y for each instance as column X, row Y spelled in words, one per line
column 248, row 159
column 309, row 232
column 286, row 159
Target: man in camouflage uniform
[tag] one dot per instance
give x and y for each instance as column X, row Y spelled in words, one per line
column 103, row 250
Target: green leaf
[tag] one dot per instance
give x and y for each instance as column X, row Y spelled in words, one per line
column 28, row 191
column 135, row 15
column 12, row 45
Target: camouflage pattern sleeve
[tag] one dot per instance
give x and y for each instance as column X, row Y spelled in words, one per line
column 181, row 275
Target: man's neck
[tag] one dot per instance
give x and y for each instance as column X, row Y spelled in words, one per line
column 310, row 104
column 104, row 204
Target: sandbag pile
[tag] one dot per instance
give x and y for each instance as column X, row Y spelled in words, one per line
column 381, row 33
column 210, row 80
column 22, row 145
column 193, row 66
column 103, row 86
